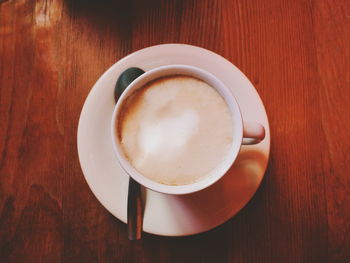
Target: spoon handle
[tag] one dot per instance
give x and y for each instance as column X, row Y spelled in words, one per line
column 134, row 210
column 135, row 213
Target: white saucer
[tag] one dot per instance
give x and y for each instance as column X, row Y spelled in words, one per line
column 168, row 215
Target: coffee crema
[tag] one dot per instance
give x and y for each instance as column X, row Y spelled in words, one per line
column 175, row 130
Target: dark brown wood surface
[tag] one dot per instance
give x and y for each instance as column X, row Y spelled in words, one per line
column 295, row 52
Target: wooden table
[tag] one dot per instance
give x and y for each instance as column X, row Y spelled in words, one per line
column 296, row 53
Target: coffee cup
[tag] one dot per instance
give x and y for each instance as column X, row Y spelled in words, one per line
column 235, row 135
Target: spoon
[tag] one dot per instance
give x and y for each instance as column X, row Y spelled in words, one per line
column 134, row 212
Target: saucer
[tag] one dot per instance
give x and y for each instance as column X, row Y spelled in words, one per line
column 169, row 215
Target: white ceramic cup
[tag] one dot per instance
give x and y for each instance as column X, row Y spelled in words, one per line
column 244, row 133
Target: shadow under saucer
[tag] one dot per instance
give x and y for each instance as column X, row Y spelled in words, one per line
column 221, row 200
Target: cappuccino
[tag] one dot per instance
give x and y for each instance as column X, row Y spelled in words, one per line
column 175, row 130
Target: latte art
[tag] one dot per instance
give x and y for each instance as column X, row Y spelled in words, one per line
column 168, row 134
column 175, row 130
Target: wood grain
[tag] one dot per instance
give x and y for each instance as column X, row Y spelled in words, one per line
column 295, row 52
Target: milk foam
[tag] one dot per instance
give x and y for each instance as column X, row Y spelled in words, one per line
column 167, row 136
column 175, row 130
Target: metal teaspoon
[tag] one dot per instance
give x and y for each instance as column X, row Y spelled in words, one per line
column 134, row 210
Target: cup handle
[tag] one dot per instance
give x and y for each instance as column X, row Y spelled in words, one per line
column 253, row 133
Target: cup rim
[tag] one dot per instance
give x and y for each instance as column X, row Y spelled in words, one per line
column 237, row 129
